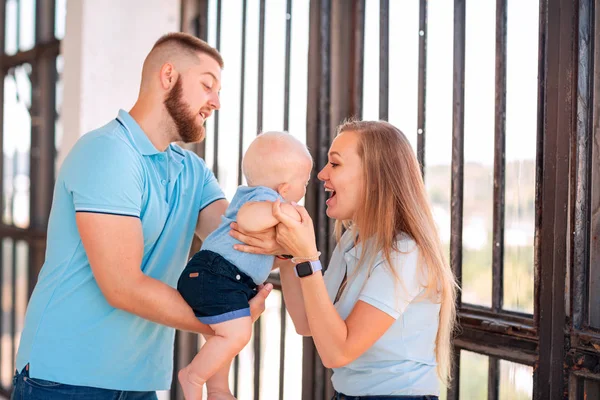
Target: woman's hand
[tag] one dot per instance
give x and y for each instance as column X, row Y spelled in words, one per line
column 297, row 237
column 256, row 242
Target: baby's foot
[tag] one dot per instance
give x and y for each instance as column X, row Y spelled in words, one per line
column 220, row 396
column 191, row 389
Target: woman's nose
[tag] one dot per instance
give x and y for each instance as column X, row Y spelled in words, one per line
column 322, row 175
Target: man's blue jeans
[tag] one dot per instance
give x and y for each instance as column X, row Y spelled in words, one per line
column 26, row 388
column 341, row 396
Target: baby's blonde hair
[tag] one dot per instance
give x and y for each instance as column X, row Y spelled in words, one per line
column 273, row 158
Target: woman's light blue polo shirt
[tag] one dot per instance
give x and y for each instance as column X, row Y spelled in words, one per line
column 402, row 361
column 71, row 334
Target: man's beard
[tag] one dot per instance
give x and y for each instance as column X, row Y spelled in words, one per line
column 188, row 129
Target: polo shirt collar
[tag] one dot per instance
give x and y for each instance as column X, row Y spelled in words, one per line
column 141, row 141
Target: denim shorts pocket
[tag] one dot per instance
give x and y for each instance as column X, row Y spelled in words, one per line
column 40, row 383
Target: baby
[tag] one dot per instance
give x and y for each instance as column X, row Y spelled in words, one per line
column 219, row 281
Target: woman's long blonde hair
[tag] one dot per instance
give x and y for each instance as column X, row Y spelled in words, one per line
column 397, row 203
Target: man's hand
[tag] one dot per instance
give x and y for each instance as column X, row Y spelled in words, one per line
column 256, row 242
column 257, row 304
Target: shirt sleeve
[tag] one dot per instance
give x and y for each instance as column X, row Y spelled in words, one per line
column 104, row 175
column 261, row 194
column 211, row 191
column 383, row 289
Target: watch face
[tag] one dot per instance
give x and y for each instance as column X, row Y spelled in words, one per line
column 304, row 269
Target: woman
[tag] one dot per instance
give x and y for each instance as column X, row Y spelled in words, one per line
column 382, row 315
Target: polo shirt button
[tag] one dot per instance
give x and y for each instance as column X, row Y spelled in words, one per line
column 163, row 181
column 238, row 277
column 161, row 157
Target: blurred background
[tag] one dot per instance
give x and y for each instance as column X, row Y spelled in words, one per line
column 497, row 98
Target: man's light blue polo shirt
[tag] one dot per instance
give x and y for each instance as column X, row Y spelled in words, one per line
column 72, row 335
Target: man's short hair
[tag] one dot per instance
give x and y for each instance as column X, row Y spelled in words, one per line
column 191, row 43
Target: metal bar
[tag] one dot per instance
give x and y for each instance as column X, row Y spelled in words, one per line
column 591, row 389
column 236, row 360
column 453, row 392
column 43, row 150
column 512, row 329
column 575, row 388
column 199, row 28
column 539, row 157
column 13, row 301
column 318, row 133
column 318, row 122
column 594, row 259
column 308, row 374
column 506, row 315
column 509, row 351
column 493, row 376
column 288, row 45
column 2, row 301
column 384, row 55
column 357, row 57
column 186, row 348
column 422, row 85
column 194, row 20
column 559, row 125
column 261, row 72
column 48, row 48
column 216, row 134
column 586, row 374
column 261, row 67
column 242, row 91
column 2, row 202
column 581, row 204
column 347, row 42
column 458, row 128
column 283, row 317
column 583, row 363
column 20, row 233
column 18, row 28
column 257, row 359
column 236, row 376
column 499, row 159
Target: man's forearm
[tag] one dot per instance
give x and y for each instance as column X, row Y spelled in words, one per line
column 156, row 301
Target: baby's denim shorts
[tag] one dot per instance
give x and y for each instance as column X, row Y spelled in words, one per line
column 216, row 289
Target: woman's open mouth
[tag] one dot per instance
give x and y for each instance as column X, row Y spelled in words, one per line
column 331, row 195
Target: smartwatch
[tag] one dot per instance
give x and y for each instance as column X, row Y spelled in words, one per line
column 307, row 268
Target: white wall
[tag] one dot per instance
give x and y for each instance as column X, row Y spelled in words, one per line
column 104, row 47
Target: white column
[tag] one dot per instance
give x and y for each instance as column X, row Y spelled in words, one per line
column 104, row 47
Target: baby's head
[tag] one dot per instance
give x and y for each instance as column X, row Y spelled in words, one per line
column 279, row 161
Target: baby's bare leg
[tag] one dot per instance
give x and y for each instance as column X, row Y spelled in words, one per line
column 218, row 351
column 217, row 386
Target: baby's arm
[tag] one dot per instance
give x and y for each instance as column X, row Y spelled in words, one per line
column 256, row 216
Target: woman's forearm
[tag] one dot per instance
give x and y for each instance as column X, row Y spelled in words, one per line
column 292, row 295
column 328, row 329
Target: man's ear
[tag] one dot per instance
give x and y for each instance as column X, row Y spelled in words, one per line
column 168, row 76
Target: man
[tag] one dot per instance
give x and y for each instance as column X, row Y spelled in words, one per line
column 126, row 204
